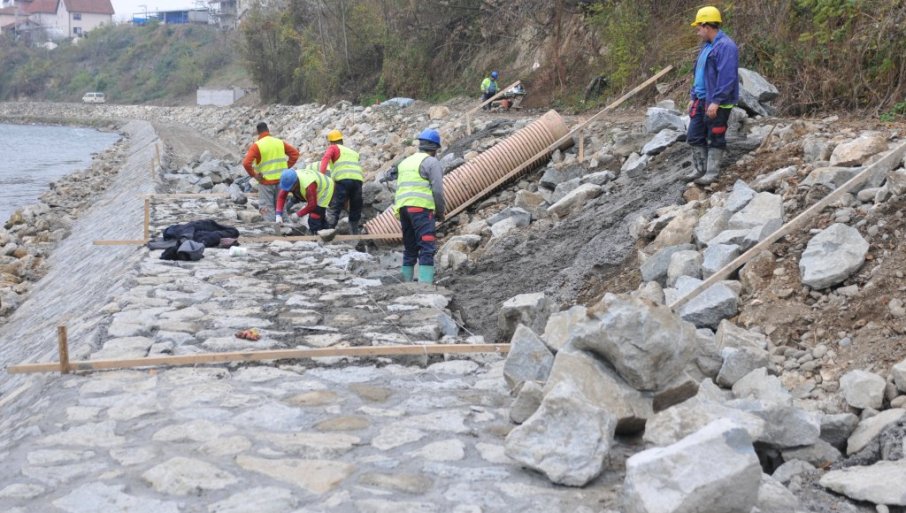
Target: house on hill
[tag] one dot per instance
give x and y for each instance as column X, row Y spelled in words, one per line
column 60, row 19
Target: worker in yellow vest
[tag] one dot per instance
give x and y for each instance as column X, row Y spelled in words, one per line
column 265, row 161
column 489, row 88
column 344, row 167
column 419, row 204
column 318, row 193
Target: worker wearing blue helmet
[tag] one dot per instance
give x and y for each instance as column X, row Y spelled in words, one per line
column 310, row 186
column 419, row 204
column 489, row 88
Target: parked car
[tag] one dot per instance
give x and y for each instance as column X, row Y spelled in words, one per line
column 94, row 98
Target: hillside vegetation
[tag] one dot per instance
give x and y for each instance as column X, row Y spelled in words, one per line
column 130, row 64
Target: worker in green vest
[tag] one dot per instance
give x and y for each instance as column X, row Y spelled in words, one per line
column 265, row 161
column 344, row 167
column 419, row 204
column 489, row 88
column 318, row 191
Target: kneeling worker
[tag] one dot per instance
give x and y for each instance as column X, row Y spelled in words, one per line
column 318, row 193
column 419, row 202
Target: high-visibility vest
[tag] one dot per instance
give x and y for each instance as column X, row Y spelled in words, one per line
column 411, row 189
column 488, row 86
column 347, row 166
column 311, row 175
column 273, row 158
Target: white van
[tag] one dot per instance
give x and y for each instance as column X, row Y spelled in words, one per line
column 94, row 98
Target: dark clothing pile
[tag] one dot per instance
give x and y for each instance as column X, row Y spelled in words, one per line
column 187, row 241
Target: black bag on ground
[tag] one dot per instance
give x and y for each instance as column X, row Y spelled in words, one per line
column 207, row 232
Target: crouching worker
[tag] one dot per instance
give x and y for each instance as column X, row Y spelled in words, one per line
column 318, row 193
column 419, row 203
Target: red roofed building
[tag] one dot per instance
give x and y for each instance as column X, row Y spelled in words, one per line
column 60, row 18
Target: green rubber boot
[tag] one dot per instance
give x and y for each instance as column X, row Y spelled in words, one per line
column 426, row 273
column 408, row 272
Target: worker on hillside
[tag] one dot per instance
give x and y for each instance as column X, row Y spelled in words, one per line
column 715, row 91
column 419, row 204
column 346, row 171
column 265, row 161
column 318, row 193
column 489, row 88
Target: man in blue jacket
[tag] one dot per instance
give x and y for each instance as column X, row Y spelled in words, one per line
column 715, row 91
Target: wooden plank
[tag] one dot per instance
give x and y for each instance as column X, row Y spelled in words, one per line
column 489, row 100
column 63, row 344
column 213, row 195
column 581, row 146
column 297, row 238
column 891, row 159
column 509, row 176
column 147, row 224
column 120, row 242
column 257, row 356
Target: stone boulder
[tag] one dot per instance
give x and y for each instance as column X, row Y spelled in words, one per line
column 731, row 335
column 898, row 372
column 773, row 497
column 522, row 216
column 634, row 165
column 556, row 332
column 528, row 358
column 662, row 141
column 647, row 345
column 601, row 386
column 881, row 483
column 773, row 181
column 740, row 361
column 684, row 263
column 554, row 176
column 739, row 197
column 531, row 310
column 830, row 177
column 713, row 469
column 871, row 428
column 711, row 224
column 575, row 200
column 438, row 112
column 567, row 438
column 655, row 267
column 716, row 256
column 528, row 399
column 785, row 425
column 716, row 303
column 836, row 428
column 757, row 86
column 857, row 151
column 761, row 210
column 658, row 119
column 863, row 389
column 832, row 256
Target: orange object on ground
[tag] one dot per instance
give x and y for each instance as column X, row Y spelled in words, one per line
column 250, row 334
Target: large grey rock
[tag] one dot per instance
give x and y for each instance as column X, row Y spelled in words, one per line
column 831, row 177
column 567, row 438
column 575, row 200
column 530, row 309
column 634, row 165
column 564, row 188
column 898, row 372
column 739, row 197
column 881, row 483
column 831, row 256
column 759, row 385
column 711, row 224
column 662, row 141
column 785, row 425
column 601, row 386
column 528, row 359
column 756, row 85
column 527, row 200
column 871, row 428
column 714, row 469
column 647, row 345
column 679, row 230
column 655, row 267
column 773, row 181
column 863, row 389
column 790, row 469
column 857, row 151
column 716, row 256
column 820, row 454
column 527, row 402
column 731, row 335
column 738, row 238
column 706, row 310
column 740, row 361
column 816, row 149
column 658, row 119
column 670, row 425
column 773, row 497
column 553, row 175
column 762, row 209
column 684, row 263
column 556, row 332
column 751, row 104
column 522, row 216
column 836, row 428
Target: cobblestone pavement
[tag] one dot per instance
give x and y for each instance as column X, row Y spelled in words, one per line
column 336, row 434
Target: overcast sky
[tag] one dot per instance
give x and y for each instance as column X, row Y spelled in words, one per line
column 126, row 8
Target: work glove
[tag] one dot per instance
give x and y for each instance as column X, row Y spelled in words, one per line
column 279, row 219
column 396, row 212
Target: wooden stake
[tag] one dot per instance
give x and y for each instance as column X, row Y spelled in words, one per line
column 147, row 219
column 63, row 344
column 258, row 356
column 581, row 146
column 120, row 242
column 556, row 144
column 891, row 160
column 212, row 195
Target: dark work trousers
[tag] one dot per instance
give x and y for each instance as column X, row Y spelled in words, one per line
column 343, row 190
column 317, row 220
column 704, row 131
column 418, row 235
column 486, row 96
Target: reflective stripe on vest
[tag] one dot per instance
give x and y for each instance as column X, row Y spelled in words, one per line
column 325, row 184
column 273, row 158
column 347, row 166
column 412, row 190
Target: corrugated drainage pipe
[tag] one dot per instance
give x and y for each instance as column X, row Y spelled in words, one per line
column 477, row 174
